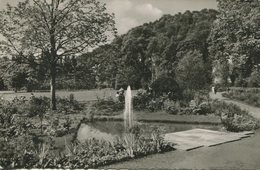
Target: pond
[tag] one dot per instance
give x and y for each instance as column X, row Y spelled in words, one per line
column 110, row 130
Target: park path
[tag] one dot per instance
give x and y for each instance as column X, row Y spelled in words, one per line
column 254, row 111
column 243, row 154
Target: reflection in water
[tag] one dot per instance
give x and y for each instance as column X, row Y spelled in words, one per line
column 87, row 132
column 110, row 130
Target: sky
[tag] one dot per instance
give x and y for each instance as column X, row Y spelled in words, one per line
column 131, row 13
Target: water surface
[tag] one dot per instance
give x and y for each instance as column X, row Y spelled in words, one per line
column 110, row 130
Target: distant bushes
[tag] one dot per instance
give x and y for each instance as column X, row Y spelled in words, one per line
column 141, row 100
column 68, row 105
column 166, row 85
column 144, row 100
column 107, row 106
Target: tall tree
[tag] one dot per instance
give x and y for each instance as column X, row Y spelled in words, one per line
column 191, row 71
column 235, row 36
column 58, row 28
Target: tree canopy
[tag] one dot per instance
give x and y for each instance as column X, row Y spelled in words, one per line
column 55, row 28
column 155, row 48
column 235, row 37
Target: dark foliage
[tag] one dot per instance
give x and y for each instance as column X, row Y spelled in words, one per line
column 168, row 86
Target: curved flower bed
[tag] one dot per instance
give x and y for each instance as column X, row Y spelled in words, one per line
column 34, row 153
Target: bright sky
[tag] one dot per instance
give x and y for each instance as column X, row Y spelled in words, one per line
column 131, row 13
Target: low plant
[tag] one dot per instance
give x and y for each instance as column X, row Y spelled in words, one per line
column 144, row 100
column 141, row 100
column 89, row 154
column 233, row 117
column 25, row 152
column 178, row 108
column 156, row 104
column 68, row 105
column 172, row 107
column 38, row 106
column 106, row 106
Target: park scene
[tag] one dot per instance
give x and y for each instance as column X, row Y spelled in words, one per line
column 112, row 84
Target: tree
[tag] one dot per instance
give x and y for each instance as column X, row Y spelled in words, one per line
column 55, row 28
column 191, row 72
column 254, row 80
column 235, row 36
column 16, row 80
column 221, row 72
column 146, row 52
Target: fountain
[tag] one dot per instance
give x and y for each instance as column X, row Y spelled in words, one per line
column 128, row 113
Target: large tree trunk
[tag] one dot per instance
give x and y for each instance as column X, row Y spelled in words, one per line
column 53, row 68
column 53, row 87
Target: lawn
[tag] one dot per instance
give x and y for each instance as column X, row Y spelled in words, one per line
column 81, row 95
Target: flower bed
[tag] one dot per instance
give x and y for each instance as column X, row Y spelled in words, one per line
column 91, row 154
column 233, row 117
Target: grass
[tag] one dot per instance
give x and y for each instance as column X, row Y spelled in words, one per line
column 81, row 95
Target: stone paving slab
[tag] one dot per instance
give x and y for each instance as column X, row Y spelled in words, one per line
column 195, row 138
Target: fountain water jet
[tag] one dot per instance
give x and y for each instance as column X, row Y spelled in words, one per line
column 128, row 113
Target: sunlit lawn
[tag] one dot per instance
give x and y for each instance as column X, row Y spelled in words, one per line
column 80, row 95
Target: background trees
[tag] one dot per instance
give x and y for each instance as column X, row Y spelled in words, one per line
column 154, row 49
column 235, row 38
column 182, row 47
column 56, row 28
column 191, row 72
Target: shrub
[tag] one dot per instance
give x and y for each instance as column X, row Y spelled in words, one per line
column 144, row 101
column 141, row 100
column 8, row 109
column 233, row 118
column 166, row 85
column 27, row 152
column 90, row 154
column 156, row 104
column 68, row 105
column 204, row 108
column 188, row 95
column 172, row 107
column 38, row 106
column 181, row 108
column 106, row 106
column 254, row 79
column 201, row 96
column 18, row 127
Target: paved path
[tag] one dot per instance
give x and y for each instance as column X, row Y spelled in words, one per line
column 243, row 154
